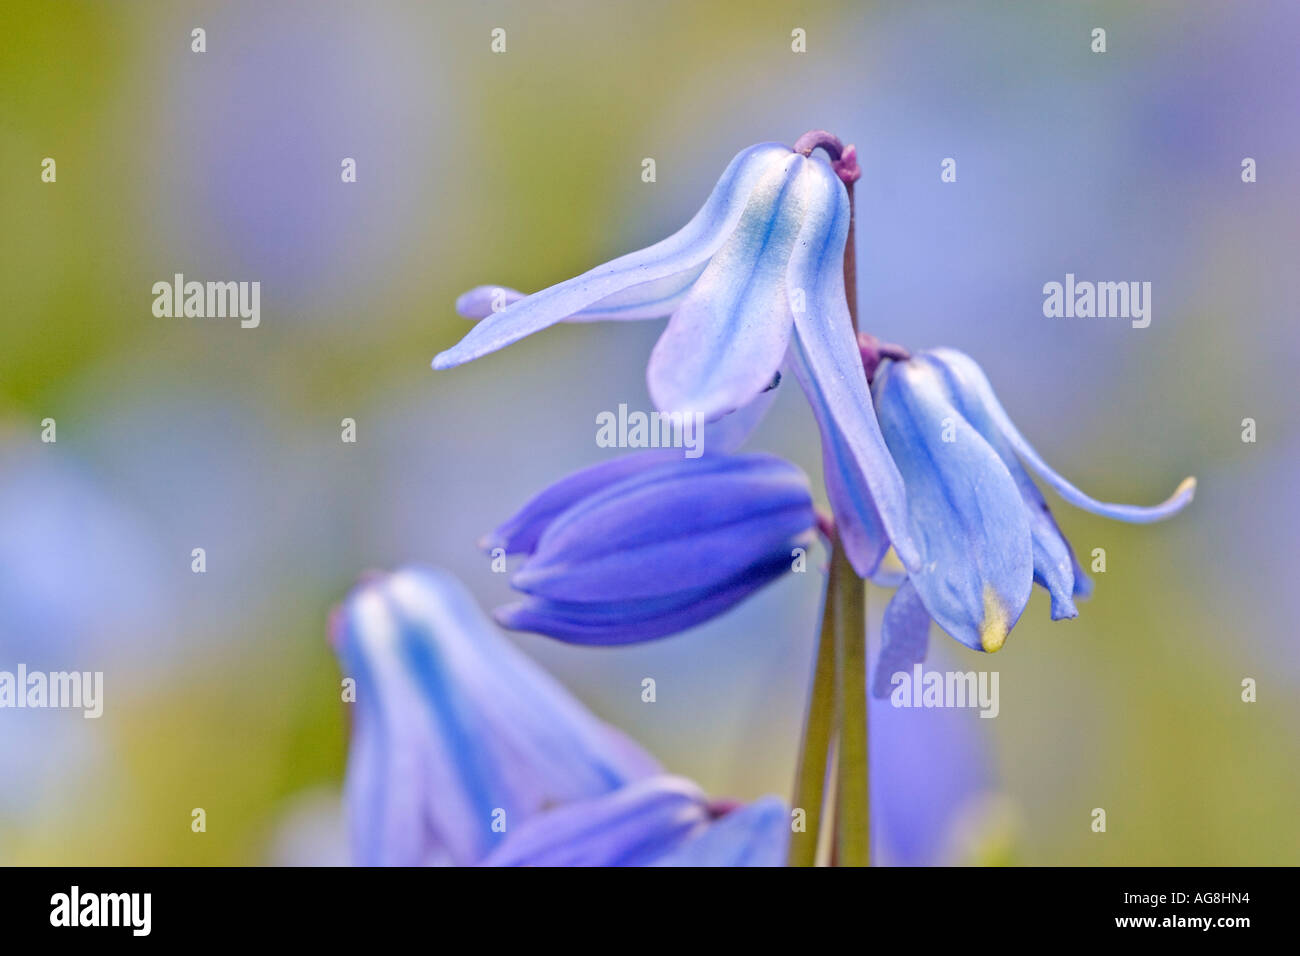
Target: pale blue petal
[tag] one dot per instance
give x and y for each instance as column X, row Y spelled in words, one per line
column 976, row 550
column 478, row 302
column 972, row 379
column 905, row 637
column 726, row 340
column 857, row 520
column 1082, row 583
column 630, row 827
column 862, row 481
column 649, row 300
column 1054, row 562
column 679, row 254
column 452, row 723
column 754, row 835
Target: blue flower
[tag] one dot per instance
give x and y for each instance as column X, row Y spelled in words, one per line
column 754, row 278
column 984, row 531
column 464, row 751
column 642, row 546
column 454, row 729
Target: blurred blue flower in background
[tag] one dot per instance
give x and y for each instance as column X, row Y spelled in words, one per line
column 931, row 772
column 660, row 821
column 639, row 547
column 80, row 571
column 464, row 751
column 756, row 834
column 276, row 205
column 453, row 726
column 79, row 591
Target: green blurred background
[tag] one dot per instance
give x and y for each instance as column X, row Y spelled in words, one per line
column 524, row 168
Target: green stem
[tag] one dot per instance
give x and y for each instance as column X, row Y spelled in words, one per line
column 818, row 727
column 853, row 819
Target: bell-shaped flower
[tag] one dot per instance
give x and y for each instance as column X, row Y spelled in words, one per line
column 642, row 547
column 464, row 751
column 984, row 531
column 754, row 279
column 456, row 734
column 659, row 821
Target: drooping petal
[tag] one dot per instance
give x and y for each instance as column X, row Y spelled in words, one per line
column 725, row 342
column 632, row 826
column 649, row 300
column 1082, row 583
column 609, row 623
column 452, row 723
column 905, row 637
column 864, row 485
column 1054, row 562
column 681, row 526
column 757, row 834
column 680, row 253
column 971, row 523
column 857, row 519
column 962, row 368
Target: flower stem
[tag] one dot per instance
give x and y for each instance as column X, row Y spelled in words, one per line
column 818, row 727
column 853, row 792
column 851, row 261
column 853, row 824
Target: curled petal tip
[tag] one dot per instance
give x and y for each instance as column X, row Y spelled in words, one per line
column 1180, row 499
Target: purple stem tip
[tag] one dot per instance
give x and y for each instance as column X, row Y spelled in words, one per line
column 875, row 351
column 844, row 159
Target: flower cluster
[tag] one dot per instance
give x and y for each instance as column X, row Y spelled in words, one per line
column 465, row 752
column 923, row 460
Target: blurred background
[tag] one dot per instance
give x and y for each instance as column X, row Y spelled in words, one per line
column 523, row 168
